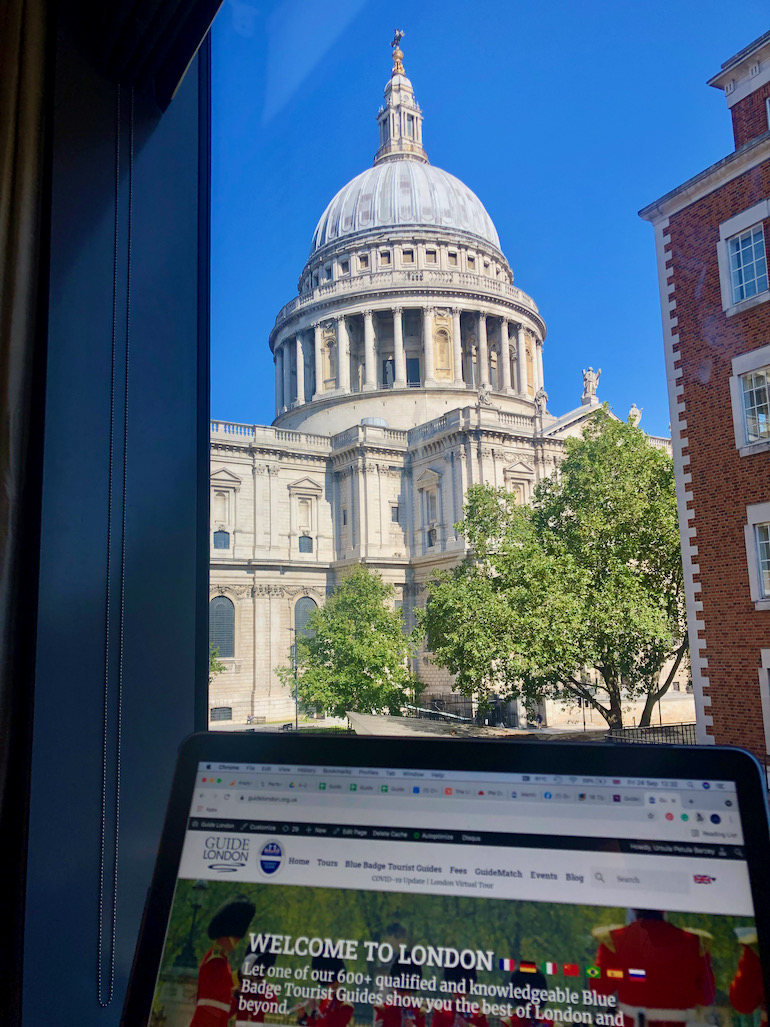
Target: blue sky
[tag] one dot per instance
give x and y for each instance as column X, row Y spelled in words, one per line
column 565, row 118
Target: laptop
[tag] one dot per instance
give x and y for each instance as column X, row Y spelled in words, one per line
column 340, row 882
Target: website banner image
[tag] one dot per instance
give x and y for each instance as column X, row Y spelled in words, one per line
column 240, row 952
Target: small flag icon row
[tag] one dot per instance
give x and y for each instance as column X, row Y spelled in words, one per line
column 570, row 970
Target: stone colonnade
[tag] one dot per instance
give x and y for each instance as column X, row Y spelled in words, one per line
column 315, row 360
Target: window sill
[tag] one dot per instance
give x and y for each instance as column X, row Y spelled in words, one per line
column 747, row 304
column 754, row 447
column 762, row 604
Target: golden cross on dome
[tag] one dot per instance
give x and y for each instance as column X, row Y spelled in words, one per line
column 398, row 56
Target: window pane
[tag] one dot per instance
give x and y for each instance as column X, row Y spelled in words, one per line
column 221, row 539
column 756, row 404
column 748, row 263
column 222, row 626
column 302, row 611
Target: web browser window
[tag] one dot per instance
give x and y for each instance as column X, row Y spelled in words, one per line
column 343, row 895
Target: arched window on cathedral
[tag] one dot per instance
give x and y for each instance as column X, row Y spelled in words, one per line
column 305, row 544
column 302, row 611
column 222, row 626
column 443, row 351
column 305, row 515
column 221, row 539
column 220, row 508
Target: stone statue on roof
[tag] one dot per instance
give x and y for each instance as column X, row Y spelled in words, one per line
column 590, row 383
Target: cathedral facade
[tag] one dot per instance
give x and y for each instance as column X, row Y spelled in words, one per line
column 407, row 368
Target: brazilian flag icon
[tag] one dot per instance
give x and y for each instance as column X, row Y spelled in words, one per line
column 593, row 971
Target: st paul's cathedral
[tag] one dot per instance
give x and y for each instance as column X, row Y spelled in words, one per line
column 407, row 368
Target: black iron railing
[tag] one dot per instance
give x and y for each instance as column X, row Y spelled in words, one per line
column 443, row 706
column 664, row 734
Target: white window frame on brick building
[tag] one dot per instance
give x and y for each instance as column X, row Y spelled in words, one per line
column 752, row 435
column 737, row 275
column 757, row 535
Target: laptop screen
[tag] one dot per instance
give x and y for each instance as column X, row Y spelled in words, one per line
column 339, row 896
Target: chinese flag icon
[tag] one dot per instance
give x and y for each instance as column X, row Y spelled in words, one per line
column 570, row 969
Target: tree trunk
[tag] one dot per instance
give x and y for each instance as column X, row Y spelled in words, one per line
column 615, row 713
column 654, row 694
column 649, row 706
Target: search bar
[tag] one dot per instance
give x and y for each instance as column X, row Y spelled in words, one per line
column 651, row 881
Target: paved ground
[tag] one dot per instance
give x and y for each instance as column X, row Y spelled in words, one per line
column 410, row 727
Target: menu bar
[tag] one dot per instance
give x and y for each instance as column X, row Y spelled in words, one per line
column 385, row 774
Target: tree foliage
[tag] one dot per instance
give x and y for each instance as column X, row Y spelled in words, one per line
column 215, row 667
column 589, row 576
column 356, row 653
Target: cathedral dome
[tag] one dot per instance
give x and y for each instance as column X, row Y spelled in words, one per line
column 397, row 193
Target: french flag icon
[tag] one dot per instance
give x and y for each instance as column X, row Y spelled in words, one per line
column 507, row 964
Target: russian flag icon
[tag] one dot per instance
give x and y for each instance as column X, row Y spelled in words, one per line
column 507, row 964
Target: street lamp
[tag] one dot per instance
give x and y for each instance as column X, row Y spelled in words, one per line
column 187, row 957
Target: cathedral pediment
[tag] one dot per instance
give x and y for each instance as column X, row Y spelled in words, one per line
column 520, row 467
column 223, row 477
column 306, row 485
column 427, row 479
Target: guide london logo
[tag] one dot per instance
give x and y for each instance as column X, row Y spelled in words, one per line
column 225, row 854
column 270, row 858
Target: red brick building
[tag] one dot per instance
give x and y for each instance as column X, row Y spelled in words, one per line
column 711, row 237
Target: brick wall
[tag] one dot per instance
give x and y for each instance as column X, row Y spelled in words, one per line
column 723, row 483
column 750, row 116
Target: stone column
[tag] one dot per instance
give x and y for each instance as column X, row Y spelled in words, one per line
column 521, row 360
column 300, row 370
column 318, row 341
column 505, row 356
column 286, row 347
column 370, row 364
column 427, row 346
column 278, row 380
column 539, row 364
column 483, row 353
column 399, row 359
column 457, row 346
column 343, row 355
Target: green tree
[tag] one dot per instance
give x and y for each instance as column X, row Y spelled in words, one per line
column 589, row 576
column 215, row 667
column 356, row 655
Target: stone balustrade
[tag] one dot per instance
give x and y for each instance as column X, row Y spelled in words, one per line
column 374, row 281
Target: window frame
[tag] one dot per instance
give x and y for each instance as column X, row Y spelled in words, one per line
column 746, row 220
column 754, row 360
column 757, row 515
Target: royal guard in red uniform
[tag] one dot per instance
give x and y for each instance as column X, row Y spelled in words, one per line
column 747, row 992
column 404, row 977
column 215, row 1002
column 254, row 969
column 330, row 1011
column 661, row 973
column 538, row 982
column 455, row 1017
